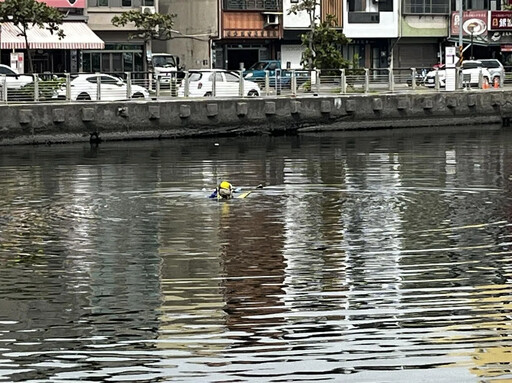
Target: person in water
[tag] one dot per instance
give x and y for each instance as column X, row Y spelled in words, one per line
column 223, row 191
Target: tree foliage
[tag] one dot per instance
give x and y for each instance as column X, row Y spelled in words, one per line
column 25, row 14
column 149, row 26
column 322, row 43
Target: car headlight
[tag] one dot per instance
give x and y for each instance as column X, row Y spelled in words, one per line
column 248, row 75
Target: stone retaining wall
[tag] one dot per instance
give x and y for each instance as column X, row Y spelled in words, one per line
column 81, row 121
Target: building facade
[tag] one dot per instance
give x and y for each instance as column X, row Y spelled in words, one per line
column 49, row 53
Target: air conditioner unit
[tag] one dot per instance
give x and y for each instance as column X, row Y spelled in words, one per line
column 271, row 19
column 146, row 9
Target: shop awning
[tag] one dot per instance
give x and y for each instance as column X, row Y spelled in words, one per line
column 78, row 36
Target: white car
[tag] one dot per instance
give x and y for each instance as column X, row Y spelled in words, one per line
column 85, row 87
column 13, row 79
column 227, row 84
column 470, row 74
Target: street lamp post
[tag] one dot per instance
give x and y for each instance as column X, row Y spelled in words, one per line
column 472, row 58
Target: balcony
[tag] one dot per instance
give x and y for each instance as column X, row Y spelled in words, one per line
column 251, row 5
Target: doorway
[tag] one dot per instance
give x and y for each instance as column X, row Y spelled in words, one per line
column 246, row 56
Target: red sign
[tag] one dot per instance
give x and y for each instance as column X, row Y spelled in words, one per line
column 501, row 21
column 63, row 3
column 473, row 23
column 252, row 34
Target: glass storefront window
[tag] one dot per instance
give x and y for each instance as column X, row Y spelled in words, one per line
column 95, row 62
column 117, row 62
column 86, row 62
column 128, row 62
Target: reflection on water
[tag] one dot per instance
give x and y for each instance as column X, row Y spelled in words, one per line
column 375, row 256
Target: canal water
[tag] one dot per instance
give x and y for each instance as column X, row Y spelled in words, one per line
column 378, row 256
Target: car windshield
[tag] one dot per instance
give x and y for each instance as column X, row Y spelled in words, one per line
column 164, row 61
column 491, row 64
column 195, row 76
column 259, row 66
column 471, row 65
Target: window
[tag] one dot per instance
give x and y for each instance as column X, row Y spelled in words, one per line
column 251, row 5
column 436, row 7
column 230, row 77
column 7, row 71
column 126, row 3
column 102, row 3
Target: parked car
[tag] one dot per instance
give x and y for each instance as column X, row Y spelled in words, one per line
column 13, row 79
column 85, row 87
column 258, row 71
column 227, row 84
column 470, row 74
column 260, row 68
column 496, row 70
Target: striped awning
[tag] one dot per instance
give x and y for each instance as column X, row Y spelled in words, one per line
column 78, row 36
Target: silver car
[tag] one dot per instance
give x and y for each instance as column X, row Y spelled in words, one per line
column 470, row 74
column 496, row 70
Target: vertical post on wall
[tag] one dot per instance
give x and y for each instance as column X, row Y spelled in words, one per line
column 241, row 89
column 36, row 87
column 343, row 82
column 98, row 87
column 413, row 78
column 460, row 29
column 214, row 85
column 366, row 80
column 293, row 83
column 4, row 88
column 186, row 87
column 68, row 86
column 128, row 85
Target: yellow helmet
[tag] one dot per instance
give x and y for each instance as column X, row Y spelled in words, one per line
column 225, row 185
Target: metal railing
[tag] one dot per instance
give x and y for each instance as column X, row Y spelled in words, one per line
column 65, row 87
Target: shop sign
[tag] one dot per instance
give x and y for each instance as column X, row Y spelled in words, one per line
column 64, row 3
column 500, row 20
column 473, row 23
column 252, row 34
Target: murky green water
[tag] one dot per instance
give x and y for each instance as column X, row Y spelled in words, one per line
column 371, row 257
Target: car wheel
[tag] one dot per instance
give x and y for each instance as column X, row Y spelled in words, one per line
column 83, row 97
column 137, row 95
column 208, row 94
column 253, row 93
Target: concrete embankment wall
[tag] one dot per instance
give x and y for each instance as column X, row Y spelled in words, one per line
column 71, row 122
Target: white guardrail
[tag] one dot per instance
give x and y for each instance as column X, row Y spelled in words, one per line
column 202, row 83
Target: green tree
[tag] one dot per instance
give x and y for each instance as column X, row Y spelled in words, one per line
column 322, row 43
column 149, row 26
column 25, row 14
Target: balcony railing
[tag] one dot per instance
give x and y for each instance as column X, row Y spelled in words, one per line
column 252, row 5
column 432, row 7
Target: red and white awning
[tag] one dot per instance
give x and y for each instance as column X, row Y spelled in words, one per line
column 78, row 36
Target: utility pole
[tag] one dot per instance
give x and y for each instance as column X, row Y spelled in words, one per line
column 460, row 25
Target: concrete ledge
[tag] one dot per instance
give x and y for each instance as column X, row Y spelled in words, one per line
column 65, row 121
column 59, row 115
column 270, row 107
column 212, row 110
column 25, row 116
column 377, row 104
column 184, row 111
column 87, row 114
column 154, row 112
column 295, row 107
column 325, row 107
column 350, row 106
column 403, row 104
column 241, row 109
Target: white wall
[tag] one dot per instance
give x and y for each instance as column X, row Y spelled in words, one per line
column 386, row 28
column 298, row 21
column 291, row 53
